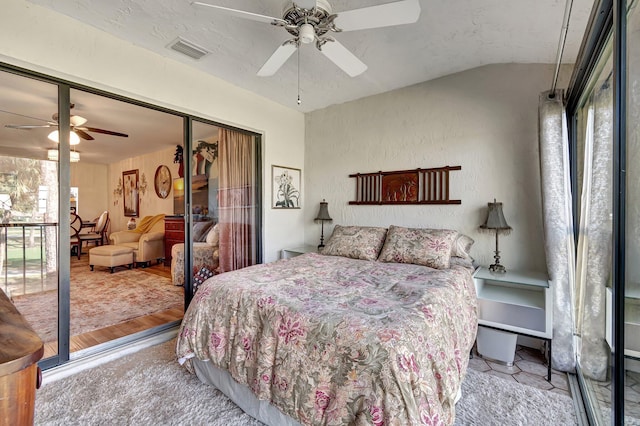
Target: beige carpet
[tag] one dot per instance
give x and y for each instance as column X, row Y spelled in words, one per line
column 100, row 299
column 150, row 388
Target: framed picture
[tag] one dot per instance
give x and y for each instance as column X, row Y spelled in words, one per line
column 130, row 193
column 286, row 187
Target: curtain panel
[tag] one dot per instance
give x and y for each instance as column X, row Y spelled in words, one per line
column 237, row 200
column 558, row 224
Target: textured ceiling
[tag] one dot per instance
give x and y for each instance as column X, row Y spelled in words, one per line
column 450, row 36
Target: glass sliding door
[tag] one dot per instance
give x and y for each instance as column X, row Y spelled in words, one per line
column 594, row 131
column 29, row 203
column 122, row 182
column 225, row 194
column 632, row 225
column 79, row 169
column 607, row 163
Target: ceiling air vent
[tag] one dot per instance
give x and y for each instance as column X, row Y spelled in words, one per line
column 188, row 48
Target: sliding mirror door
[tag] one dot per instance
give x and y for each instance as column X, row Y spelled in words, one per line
column 29, row 203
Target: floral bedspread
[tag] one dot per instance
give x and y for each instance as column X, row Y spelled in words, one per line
column 331, row 340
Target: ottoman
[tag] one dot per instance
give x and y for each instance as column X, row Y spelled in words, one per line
column 111, row 256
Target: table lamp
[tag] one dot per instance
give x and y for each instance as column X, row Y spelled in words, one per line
column 496, row 222
column 323, row 215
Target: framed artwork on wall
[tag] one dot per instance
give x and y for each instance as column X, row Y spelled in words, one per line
column 130, row 193
column 286, row 182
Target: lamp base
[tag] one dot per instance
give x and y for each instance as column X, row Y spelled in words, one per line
column 497, row 268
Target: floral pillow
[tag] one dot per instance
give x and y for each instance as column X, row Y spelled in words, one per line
column 428, row 247
column 356, row 242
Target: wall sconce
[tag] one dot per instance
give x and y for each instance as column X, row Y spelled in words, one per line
column 496, row 222
column 117, row 192
column 323, row 215
column 142, row 186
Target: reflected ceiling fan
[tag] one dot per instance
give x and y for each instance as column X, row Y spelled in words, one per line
column 312, row 20
column 77, row 127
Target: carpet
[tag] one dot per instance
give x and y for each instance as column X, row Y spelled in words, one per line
column 100, row 299
column 150, row 388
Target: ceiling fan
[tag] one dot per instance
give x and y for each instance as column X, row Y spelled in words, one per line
column 77, row 126
column 311, row 20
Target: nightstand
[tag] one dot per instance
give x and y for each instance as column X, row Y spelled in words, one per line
column 514, row 302
column 288, row 253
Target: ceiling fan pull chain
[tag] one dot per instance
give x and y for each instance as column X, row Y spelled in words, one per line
column 299, row 101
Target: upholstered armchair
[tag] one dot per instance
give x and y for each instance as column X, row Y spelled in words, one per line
column 205, row 254
column 147, row 240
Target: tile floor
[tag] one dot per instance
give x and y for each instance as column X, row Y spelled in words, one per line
column 631, row 397
column 529, row 368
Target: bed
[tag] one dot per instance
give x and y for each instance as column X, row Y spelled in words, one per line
column 356, row 335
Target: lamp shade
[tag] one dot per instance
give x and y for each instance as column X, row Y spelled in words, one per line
column 74, row 139
column 495, row 218
column 52, row 154
column 323, row 213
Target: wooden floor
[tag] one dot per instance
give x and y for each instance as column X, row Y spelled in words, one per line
column 96, row 337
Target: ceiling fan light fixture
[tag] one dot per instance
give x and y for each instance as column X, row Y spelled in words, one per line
column 52, row 155
column 73, row 138
column 307, row 33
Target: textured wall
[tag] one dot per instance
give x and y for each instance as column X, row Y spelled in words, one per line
column 484, row 119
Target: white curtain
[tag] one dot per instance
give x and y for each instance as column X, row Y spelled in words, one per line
column 595, row 233
column 558, row 224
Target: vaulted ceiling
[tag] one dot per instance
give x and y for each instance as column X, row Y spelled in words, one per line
column 449, row 36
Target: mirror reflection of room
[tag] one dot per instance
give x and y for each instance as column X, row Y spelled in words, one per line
column 116, row 290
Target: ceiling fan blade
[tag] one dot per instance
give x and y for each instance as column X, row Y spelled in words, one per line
column 26, row 116
column 384, row 15
column 343, row 58
column 278, row 59
column 104, row 132
column 245, row 15
column 26, row 126
column 84, row 135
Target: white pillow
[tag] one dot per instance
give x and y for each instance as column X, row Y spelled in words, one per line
column 462, row 247
column 213, row 237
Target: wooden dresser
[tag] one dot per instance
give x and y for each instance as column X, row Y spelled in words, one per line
column 173, row 234
column 20, row 351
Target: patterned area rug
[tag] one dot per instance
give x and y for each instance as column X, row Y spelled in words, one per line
column 100, row 299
